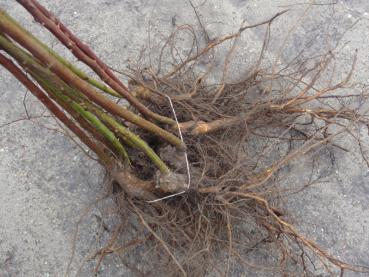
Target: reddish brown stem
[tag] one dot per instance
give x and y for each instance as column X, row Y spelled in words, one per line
column 86, row 55
column 34, row 8
column 37, row 50
column 55, row 110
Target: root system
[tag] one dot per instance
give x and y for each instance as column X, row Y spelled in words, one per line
column 203, row 174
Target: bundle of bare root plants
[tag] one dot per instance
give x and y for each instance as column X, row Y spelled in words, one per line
column 197, row 166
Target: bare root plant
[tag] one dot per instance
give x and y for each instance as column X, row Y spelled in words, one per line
column 197, row 165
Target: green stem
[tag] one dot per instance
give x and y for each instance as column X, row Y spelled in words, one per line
column 74, row 69
column 129, row 137
column 86, row 55
column 88, row 116
column 99, row 149
column 21, row 37
column 45, row 77
column 80, row 104
column 132, row 138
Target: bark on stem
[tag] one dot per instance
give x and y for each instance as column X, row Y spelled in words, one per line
column 20, row 36
column 130, row 138
column 76, row 70
column 33, row 6
column 97, row 148
column 132, row 185
column 47, row 80
column 85, row 54
column 75, row 102
column 49, row 86
column 134, row 139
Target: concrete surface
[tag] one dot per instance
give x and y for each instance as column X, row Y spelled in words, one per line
column 46, row 183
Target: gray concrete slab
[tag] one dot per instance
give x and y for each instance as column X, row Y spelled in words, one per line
column 46, row 183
